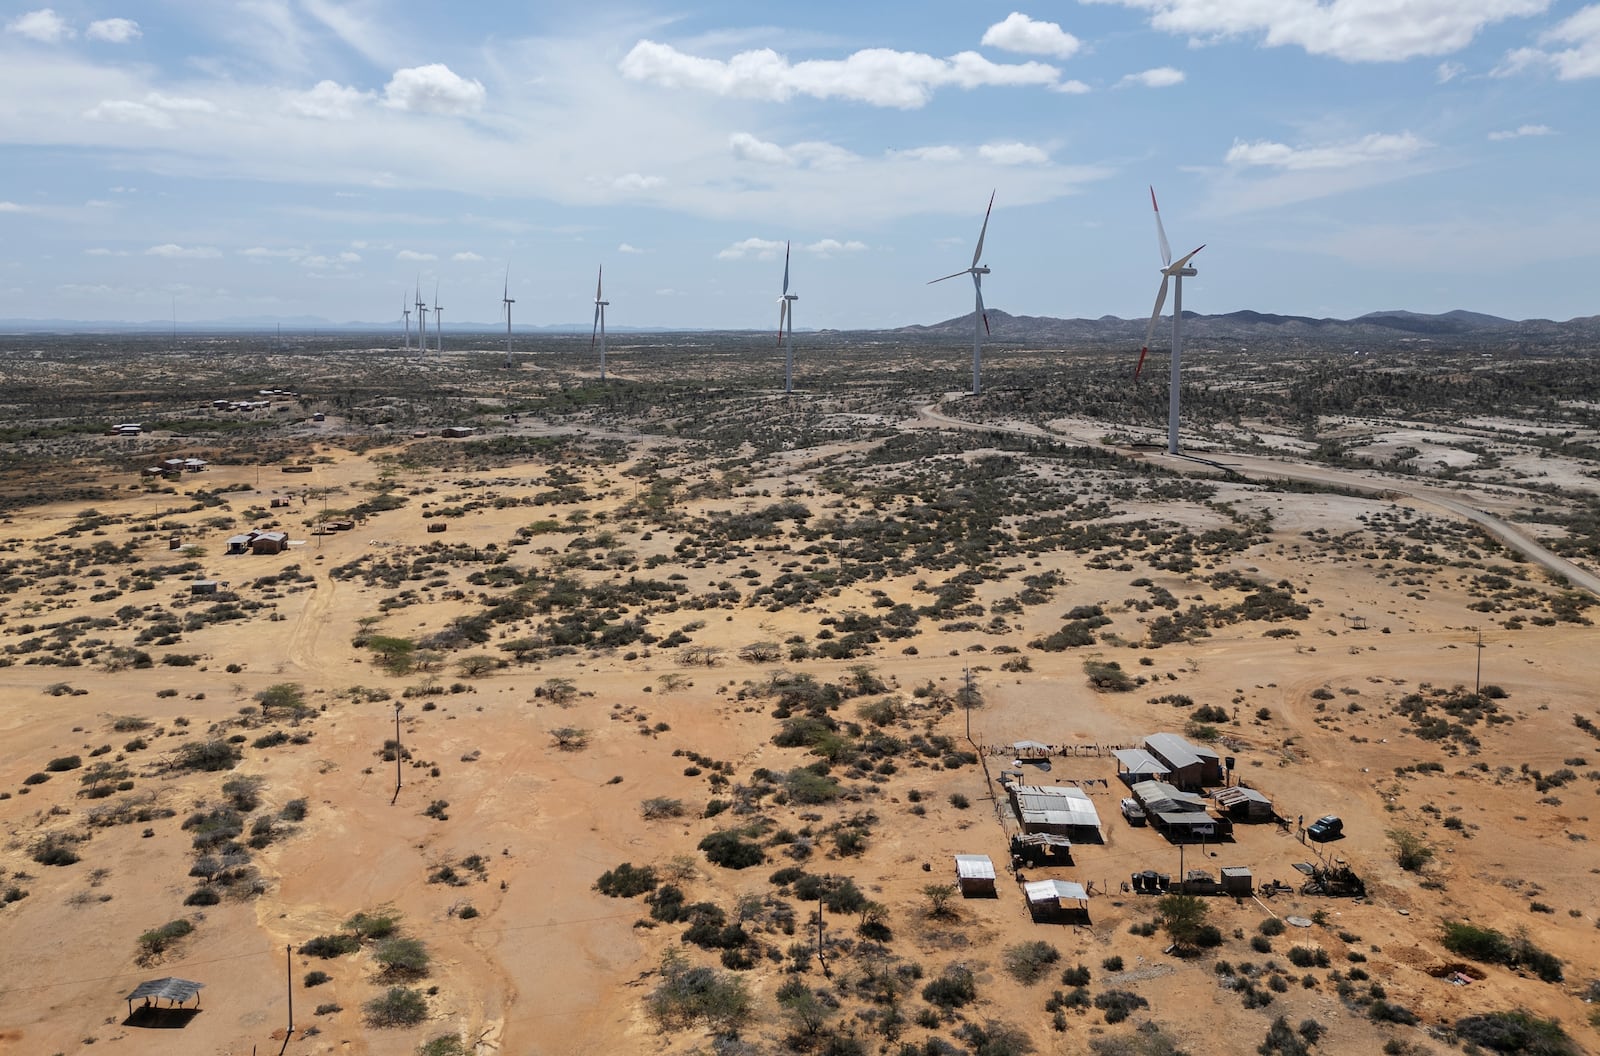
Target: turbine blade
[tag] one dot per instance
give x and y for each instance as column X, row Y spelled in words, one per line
column 1161, row 232
column 1184, row 262
column 596, row 329
column 1155, row 316
column 783, row 313
column 599, row 279
column 786, row 267
column 978, row 253
column 1140, row 366
column 966, row 271
column 977, row 289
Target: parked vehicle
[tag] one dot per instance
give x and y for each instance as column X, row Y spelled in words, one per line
column 1133, row 812
column 1324, row 829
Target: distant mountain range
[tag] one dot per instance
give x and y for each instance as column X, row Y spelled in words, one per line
column 1245, row 326
column 1241, row 327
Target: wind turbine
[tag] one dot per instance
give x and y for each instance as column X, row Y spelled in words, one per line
column 422, row 318
column 405, row 310
column 786, row 314
column 979, row 316
column 599, row 321
column 438, row 324
column 1169, row 270
column 506, row 300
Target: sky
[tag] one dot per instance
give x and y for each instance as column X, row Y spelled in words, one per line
column 295, row 159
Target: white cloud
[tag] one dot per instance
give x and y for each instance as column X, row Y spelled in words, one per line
column 43, row 25
column 746, row 147
column 329, row 100
column 1351, row 30
column 1579, row 61
column 411, row 254
column 466, row 257
column 434, row 88
column 759, row 248
column 827, row 247
column 128, row 112
column 878, row 76
column 178, row 104
column 1072, row 88
column 173, row 251
column 1522, row 131
column 1377, row 147
column 938, row 154
column 101, row 251
column 13, row 207
column 1020, row 33
column 1448, row 71
column 115, row 30
column 1159, row 77
column 318, row 261
column 817, row 155
column 634, row 182
column 154, row 111
column 631, row 250
column 1012, row 154
column 261, row 252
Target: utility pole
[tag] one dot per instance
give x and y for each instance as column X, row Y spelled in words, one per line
column 288, row 964
column 966, row 699
column 398, row 752
column 821, row 957
column 1477, row 678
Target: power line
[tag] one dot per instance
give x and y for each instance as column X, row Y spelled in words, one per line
column 273, row 953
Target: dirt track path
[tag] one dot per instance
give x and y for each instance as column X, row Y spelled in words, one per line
column 1257, row 467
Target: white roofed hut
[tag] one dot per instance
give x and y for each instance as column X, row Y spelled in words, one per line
column 1136, row 764
column 1057, row 901
column 975, row 876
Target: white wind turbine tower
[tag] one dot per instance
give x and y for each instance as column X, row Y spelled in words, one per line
column 979, row 316
column 438, row 323
column 506, row 301
column 786, row 315
column 422, row 318
column 405, row 310
column 599, row 321
column 1169, row 270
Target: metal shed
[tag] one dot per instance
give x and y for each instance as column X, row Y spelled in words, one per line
column 1244, row 803
column 178, row 991
column 975, row 874
column 1047, row 899
column 1058, row 809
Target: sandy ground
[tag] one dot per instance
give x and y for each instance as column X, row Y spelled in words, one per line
column 548, row 965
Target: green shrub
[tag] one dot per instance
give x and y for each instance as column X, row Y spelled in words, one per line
column 398, row 1007
column 1027, row 962
column 952, row 989
column 1075, row 976
column 625, row 881
column 1518, row 1031
column 373, row 926
column 64, row 763
column 316, row 978
column 402, row 958
column 730, row 850
column 158, row 940
column 1119, row 1004
column 326, row 946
